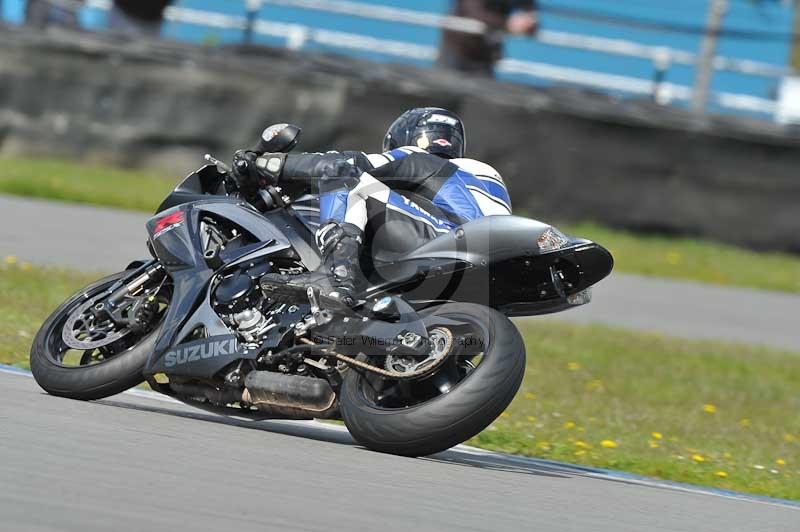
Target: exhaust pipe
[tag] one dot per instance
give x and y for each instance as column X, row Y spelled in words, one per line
column 290, row 394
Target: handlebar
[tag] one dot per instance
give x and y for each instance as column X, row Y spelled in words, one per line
column 271, row 196
column 221, row 167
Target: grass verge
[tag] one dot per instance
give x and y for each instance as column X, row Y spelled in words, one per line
column 81, row 183
column 27, row 296
column 696, row 260
column 678, row 258
column 701, row 412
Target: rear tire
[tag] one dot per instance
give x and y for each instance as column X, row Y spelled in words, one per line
column 450, row 418
column 111, row 377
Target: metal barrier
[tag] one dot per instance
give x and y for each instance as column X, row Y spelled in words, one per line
column 662, row 57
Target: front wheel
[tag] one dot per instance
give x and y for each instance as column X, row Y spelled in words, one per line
column 477, row 380
column 81, row 355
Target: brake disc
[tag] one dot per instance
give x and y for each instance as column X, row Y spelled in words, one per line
column 82, row 331
column 441, row 341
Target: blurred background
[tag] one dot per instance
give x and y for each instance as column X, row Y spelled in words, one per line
column 643, row 48
column 685, row 111
column 667, row 131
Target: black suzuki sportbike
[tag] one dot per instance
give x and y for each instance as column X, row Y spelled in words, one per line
column 426, row 359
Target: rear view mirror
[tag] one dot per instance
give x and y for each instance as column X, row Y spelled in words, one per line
column 278, row 138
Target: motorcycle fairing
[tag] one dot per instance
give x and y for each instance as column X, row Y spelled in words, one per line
column 181, row 252
column 496, row 261
column 223, row 349
column 197, row 186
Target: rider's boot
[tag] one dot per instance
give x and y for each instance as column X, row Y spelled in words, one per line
column 339, row 276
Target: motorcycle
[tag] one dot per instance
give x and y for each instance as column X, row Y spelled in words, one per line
column 426, row 359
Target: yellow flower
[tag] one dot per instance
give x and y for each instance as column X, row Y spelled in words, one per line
column 789, row 437
column 594, row 385
column 653, row 444
column 580, row 452
column 744, row 422
column 609, row 444
column 573, row 366
column 656, row 435
column 530, row 395
column 780, row 461
column 531, row 418
column 721, row 474
column 11, row 260
column 505, row 414
column 709, row 409
column 673, row 257
column 569, row 425
column 26, row 266
column 543, row 445
column 698, row 458
column 582, row 444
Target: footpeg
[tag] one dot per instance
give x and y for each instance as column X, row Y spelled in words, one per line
column 321, row 316
column 313, row 300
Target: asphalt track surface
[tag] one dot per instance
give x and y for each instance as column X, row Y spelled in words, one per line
column 132, row 463
column 94, row 238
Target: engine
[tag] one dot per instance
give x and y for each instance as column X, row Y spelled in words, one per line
column 252, row 326
column 253, row 316
column 264, row 324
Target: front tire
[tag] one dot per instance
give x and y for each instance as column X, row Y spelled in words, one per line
column 452, row 417
column 87, row 382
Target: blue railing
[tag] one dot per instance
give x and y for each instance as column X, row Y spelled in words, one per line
column 640, row 48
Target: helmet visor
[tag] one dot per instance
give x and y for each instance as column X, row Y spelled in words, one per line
column 440, row 139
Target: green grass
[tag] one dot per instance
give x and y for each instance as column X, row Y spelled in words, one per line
column 27, row 296
column 99, row 185
column 679, row 258
column 700, row 412
column 584, row 385
column 698, row 260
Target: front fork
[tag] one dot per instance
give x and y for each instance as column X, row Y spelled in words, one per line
column 111, row 306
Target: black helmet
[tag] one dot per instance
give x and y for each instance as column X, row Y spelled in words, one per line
column 435, row 130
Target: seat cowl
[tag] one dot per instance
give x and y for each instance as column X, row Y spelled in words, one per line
column 487, row 239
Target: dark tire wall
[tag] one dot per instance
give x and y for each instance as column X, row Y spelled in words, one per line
column 451, row 418
column 89, row 382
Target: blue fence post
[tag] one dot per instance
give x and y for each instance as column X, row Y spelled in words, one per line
column 253, row 7
column 662, row 61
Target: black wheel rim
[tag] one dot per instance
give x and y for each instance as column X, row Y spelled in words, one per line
column 118, row 342
column 470, row 342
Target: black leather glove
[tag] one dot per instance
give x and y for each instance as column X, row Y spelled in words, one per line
column 253, row 172
column 243, row 161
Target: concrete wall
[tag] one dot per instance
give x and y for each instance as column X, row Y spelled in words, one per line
column 566, row 154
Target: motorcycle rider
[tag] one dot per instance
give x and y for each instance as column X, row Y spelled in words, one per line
column 420, row 187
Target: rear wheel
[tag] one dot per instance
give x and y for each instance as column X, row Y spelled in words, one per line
column 80, row 355
column 478, row 375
